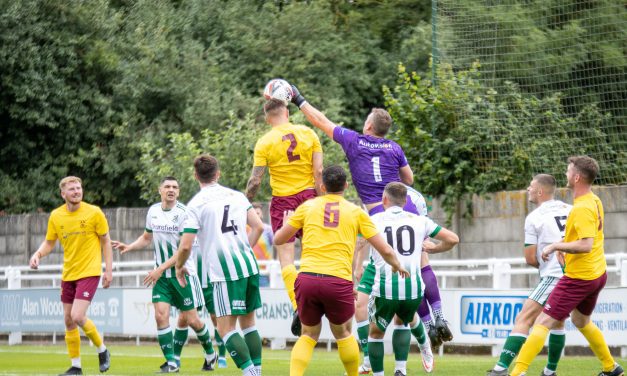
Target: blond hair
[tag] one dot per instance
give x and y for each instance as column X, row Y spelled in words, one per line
column 69, row 179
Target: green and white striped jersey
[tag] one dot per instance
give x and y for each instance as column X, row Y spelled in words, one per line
column 405, row 233
column 218, row 216
column 166, row 227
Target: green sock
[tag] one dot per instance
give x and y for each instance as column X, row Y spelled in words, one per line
column 400, row 343
column 557, row 341
column 376, row 355
column 165, row 342
column 220, row 343
column 419, row 332
column 253, row 342
column 205, row 340
column 238, row 350
column 180, row 337
column 362, row 333
column 510, row 350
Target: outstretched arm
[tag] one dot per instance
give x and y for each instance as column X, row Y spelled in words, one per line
column 315, row 117
column 448, row 239
column 388, row 254
column 254, row 182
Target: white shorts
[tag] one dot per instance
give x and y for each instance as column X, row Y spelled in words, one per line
column 542, row 291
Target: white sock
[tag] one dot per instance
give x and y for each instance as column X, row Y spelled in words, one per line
column 258, row 369
column 401, row 365
column 102, row 348
column 498, row 368
column 548, row 371
column 367, row 361
column 76, row 362
column 249, row 371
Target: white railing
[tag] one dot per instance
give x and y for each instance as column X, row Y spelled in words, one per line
column 499, row 269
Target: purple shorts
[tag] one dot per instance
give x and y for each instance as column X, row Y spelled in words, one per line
column 570, row 293
column 83, row 289
column 321, row 294
column 280, row 204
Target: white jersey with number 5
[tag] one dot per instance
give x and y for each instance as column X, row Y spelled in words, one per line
column 543, row 226
column 218, row 215
column 405, row 232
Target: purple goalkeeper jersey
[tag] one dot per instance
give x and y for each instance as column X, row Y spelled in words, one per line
column 373, row 161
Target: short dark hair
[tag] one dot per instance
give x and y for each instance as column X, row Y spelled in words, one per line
column 272, row 106
column 206, row 167
column 396, row 192
column 547, row 181
column 165, row 178
column 334, row 179
column 381, row 121
column 586, row 166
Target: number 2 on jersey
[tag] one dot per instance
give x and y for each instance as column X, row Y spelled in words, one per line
column 290, row 149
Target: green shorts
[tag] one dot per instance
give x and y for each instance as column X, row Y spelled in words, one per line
column 169, row 291
column 236, row 297
column 367, row 279
column 208, row 294
column 383, row 310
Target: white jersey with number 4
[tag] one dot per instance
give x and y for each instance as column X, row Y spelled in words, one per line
column 218, row 216
column 543, row 226
column 166, row 227
column 405, row 233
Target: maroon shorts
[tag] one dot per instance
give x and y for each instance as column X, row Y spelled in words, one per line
column 281, row 204
column 83, row 289
column 321, row 294
column 570, row 293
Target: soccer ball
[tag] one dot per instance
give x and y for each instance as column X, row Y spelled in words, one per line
column 278, row 89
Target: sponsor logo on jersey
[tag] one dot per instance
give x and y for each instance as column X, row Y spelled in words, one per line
column 156, row 296
column 86, row 294
column 187, row 301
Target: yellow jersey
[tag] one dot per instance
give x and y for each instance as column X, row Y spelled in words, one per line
column 586, row 220
column 79, row 234
column 287, row 150
column 330, row 226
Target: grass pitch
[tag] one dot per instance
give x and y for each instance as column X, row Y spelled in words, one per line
column 145, row 359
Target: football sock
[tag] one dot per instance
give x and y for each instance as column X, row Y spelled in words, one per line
column 73, row 343
column 598, row 345
column 238, row 350
column 349, row 354
column 557, row 341
column 205, row 340
column 220, row 343
column 301, row 355
column 289, row 275
column 253, row 341
column 166, row 343
column 92, row 333
column 511, row 348
column 533, row 345
column 362, row 332
column 400, row 342
column 419, row 332
column 179, row 339
column 375, row 347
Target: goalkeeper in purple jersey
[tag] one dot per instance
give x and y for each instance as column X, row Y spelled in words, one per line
column 375, row 161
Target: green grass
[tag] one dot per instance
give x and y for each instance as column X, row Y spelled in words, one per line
column 145, row 359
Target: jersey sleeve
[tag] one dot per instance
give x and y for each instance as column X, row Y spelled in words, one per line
column 431, row 228
column 298, row 219
column 192, row 221
column 366, row 227
column 51, row 232
column 148, row 223
column 344, row 136
column 531, row 233
column 102, row 226
column 317, row 147
column 585, row 222
column 260, row 158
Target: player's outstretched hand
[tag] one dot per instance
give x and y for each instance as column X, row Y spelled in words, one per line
column 546, row 252
column 123, row 248
column 297, row 97
column 180, row 276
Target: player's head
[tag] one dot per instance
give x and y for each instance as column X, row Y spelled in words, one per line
column 206, row 169
column 258, row 208
column 169, row 189
column 334, row 179
column 71, row 189
column 276, row 112
column 581, row 170
column 541, row 188
column 378, row 122
column 394, row 194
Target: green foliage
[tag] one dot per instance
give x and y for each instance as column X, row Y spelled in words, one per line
column 462, row 138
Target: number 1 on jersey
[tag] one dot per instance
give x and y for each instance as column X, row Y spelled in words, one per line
column 376, row 169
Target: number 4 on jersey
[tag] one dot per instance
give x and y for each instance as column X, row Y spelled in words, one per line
column 225, row 221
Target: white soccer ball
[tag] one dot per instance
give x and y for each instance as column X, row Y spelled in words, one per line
column 278, row 89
